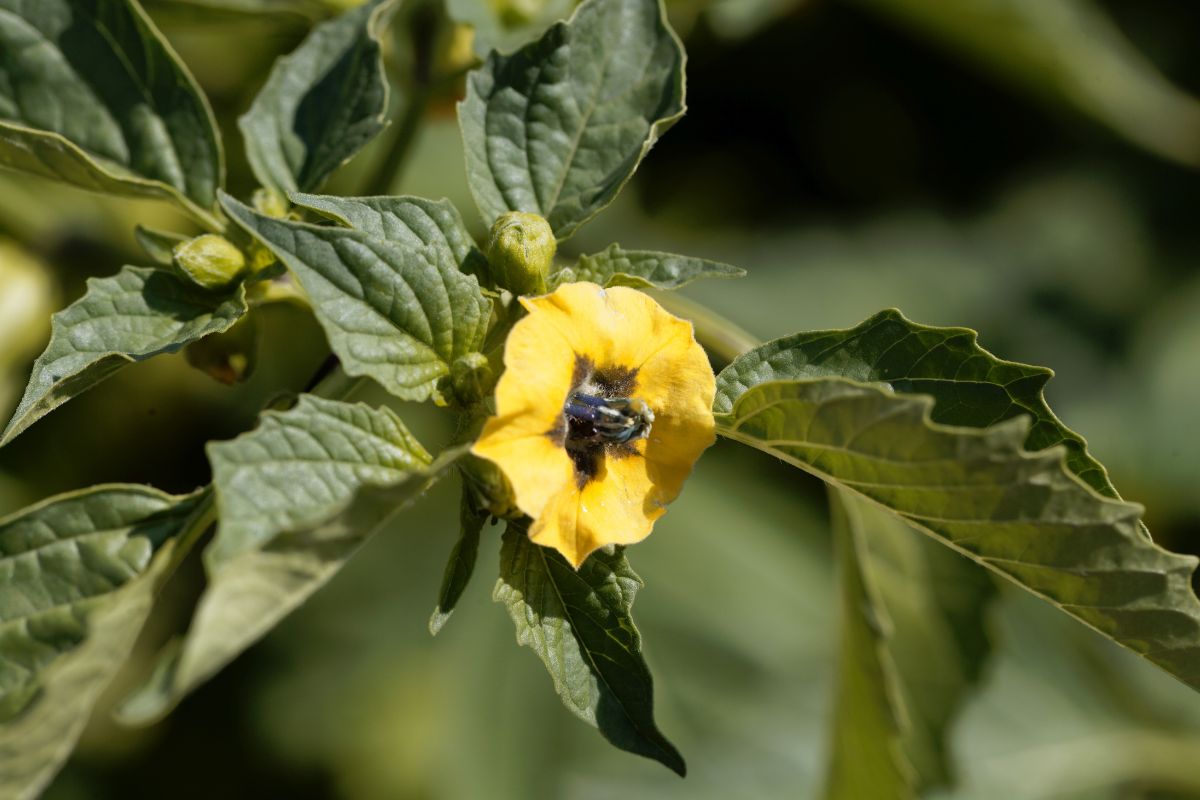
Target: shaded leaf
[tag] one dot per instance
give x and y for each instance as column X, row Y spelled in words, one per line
column 297, row 497
column 579, row 625
column 937, row 643
column 136, row 314
column 322, row 103
column 461, row 564
column 1068, row 52
column 78, row 574
column 412, row 221
column 869, row 720
column 558, row 127
column 92, row 94
column 643, row 269
column 158, row 245
column 1019, row 513
column 392, row 312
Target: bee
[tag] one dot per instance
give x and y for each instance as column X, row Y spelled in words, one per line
column 607, row 420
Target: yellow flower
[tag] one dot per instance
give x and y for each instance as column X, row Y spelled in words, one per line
column 604, row 405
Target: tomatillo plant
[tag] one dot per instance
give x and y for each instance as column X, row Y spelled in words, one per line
column 580, row 403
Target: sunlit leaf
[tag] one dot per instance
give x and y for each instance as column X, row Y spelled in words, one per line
column 92, row 94
column 394, row 312
column 579, row 624
column 322, row 103
column 558, row 127
column 643, row 269
column 412, row 221
column 136, row 314
column 78, row 574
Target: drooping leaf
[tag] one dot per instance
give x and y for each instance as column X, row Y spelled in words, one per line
column 970, row 385
column 412, row 221
column 643, row 269
column 393, row 312
column 937, row 642
column 558, row 127
column 579, row 625
column 867, row 758
column 92, row 94
column 322, row 103
column 136, row 314
column 1058, row 52
column 1022, row 514
column 461, row 564
column 297, row 497
column 78, row 574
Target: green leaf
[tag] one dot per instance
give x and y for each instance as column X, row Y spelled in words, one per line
column 159, row 245
column 412, row 221
column 78, row 574
column 643, row 269
column 579, row 625
column 867, row 758
column 1022, row 514
column 460, row 565
column 937, row 642
column 558, row 127
column 393, row 312
column 136, row 314
column 92, row 94
column 297, row 497
column 970, row 385
column 322, row 103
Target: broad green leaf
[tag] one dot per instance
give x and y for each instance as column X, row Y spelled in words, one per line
column 412, row 221
column 136, row 314
column 867, row 757
column 643, row 269
column 322, row 103
column 461, row 564
column 1022, row 514
column 78, row 574
column 158, row 245
column 393, row 312
column 970, row 385
column 579, row 625
column 937, row 642
column 297, row 497
column 1068, row 52
column 92, row 94
column 558, row 127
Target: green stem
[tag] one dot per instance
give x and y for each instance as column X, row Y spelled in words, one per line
column 388, row 173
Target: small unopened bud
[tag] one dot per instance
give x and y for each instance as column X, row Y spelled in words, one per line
column 470, row 379
column 210, row 261
column 521, row 252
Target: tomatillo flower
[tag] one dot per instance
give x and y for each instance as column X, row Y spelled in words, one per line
column 604, row 405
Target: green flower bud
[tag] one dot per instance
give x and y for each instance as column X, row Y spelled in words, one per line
column 270, row 202
column 470, row 380
column 210, row 261
column 521, row 252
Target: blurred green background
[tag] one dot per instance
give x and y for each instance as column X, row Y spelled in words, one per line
column 1027, row 168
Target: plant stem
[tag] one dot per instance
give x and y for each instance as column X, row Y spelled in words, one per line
column 388, row 173
column 724, row 340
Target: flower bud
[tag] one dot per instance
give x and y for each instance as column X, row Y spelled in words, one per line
column 210, row 261
column 521, row 252
column 470, row 380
